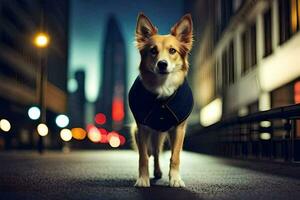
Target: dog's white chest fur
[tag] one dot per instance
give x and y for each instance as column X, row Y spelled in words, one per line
column 167, row 88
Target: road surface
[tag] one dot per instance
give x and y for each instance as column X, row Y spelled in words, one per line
column 111, row 175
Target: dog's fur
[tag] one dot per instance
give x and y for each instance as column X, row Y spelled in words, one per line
column 154, row 48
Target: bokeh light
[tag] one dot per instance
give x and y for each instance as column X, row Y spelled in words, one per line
column 114, row 141
column 122, row 139
column 62, row 121
column 72, row 85
column 118, row 109
column 5, row 125
column 66, row 134
column 265, row 136
column 34, row 113
column 89, row 126
column 100, row 118
column 297, row 92
column 42, row 129
column 78, row 133
column 111, row 134
column 94, row 135
column 41, row 40
column 103, row 135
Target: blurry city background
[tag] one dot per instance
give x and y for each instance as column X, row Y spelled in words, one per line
column 66, row 67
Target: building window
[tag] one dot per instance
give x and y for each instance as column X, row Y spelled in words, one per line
column 231, row 63
column 289, row 18
column 225, row 76
column 252, row 44
column 218, row 76
column 295, row 7
column 226, row 13
column 268, row 32
column 244, row 54
column 249, row 49
column 284, row 19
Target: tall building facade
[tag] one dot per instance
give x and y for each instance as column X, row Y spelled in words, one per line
column 20, row 63
column 112, row 96
column 245, row 60
column 76, row 102
column 245, row 56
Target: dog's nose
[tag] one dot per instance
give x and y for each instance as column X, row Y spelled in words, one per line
column 162, row 65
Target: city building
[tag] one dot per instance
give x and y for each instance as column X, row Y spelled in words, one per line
column 112, row 99
column 20, row 64
column 246, row 59
column 76, row 102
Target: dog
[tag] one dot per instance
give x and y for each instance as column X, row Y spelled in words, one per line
column 160, row 98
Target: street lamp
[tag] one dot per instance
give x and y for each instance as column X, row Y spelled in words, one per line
column 41, row 41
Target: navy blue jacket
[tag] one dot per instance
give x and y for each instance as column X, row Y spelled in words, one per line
column 160, row 114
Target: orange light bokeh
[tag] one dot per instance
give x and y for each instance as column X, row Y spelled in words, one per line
column 297, row 92
column 78, row 133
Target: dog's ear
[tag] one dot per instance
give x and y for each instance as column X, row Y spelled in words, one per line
column 144, row 29
column 183, row 31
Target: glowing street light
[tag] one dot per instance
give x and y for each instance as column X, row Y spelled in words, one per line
column 114, row 141
column 66, row 135
column 62, row 121
column 42, row 129
column 34, row 113
column 41, row 40
column 94, row 135
column 5, row 125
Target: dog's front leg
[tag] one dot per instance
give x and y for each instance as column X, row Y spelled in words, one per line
column 142, row 139
column 176, row 138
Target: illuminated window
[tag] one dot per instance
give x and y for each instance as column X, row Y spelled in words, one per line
column 298, row 13
column 294, row 15
column 297, row 92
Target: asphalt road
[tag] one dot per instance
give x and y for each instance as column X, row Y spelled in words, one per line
column 111, row 175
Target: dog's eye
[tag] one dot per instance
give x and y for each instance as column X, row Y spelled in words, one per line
column 172, row 50
column 153, row 51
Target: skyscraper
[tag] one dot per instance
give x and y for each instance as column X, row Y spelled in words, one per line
column 77, row 102
column 112, row 95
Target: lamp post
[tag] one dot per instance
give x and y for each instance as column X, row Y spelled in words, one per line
column 41, row 41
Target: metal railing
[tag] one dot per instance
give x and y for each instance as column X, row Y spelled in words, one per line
column 269, row 135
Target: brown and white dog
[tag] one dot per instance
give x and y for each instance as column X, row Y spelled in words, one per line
column 163, row 69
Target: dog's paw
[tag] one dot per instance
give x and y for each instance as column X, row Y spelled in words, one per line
column 176, row 182
column 142, row 182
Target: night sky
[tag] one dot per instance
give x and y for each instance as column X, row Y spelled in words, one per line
column 87, row 27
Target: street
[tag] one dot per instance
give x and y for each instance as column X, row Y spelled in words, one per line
column 111, row 175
